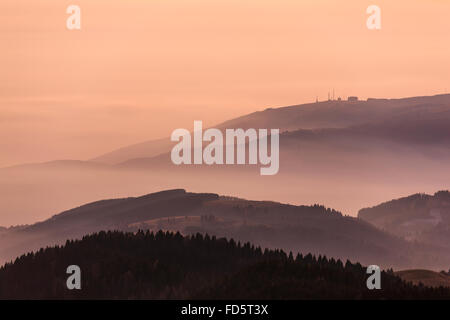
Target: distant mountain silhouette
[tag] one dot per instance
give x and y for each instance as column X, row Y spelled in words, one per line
column 145, row 265
column 329, row 114
column 308, row 229
column 420, row 217
column 59, row 164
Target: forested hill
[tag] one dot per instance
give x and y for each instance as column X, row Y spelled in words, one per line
column 146, row 265
column 420, row 217
column 314, row 229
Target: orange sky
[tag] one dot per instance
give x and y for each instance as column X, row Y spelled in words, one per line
column 138, row 69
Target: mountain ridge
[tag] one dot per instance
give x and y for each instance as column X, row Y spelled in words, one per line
column 314, row 229
column 327, row 114
column 418, row 217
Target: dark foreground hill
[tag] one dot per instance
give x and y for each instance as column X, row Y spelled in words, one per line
column 169, row 266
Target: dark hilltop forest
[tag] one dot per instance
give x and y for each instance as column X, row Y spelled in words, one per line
column 165, row 265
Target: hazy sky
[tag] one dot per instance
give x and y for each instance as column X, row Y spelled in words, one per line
column 138, row 69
